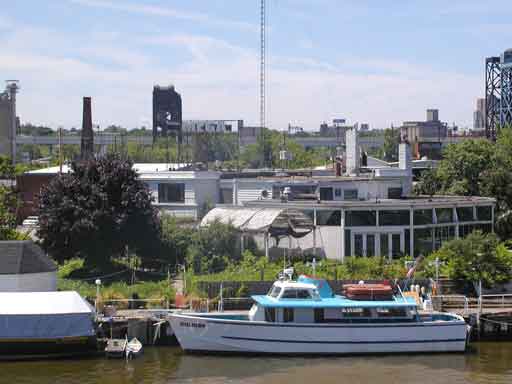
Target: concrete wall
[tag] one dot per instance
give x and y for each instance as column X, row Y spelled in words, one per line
column 29, row 282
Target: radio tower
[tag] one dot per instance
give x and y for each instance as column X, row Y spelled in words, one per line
column 262, row 63
column 267, row 161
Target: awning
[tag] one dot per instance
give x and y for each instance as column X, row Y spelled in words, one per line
column 275, row 221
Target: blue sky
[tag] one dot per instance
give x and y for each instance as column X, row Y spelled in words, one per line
column 373, row 61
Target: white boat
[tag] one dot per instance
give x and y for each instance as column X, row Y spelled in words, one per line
column 305, row 317
column 133, row 348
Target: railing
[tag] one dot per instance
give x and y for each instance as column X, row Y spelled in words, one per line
column 439, row 302
column 495, row 301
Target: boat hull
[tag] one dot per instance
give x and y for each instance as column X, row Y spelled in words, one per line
column 202, row 334
column 11, row 348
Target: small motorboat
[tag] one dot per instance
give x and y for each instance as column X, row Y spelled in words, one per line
column 133, row 348
column 116, row 348
column 368, row 291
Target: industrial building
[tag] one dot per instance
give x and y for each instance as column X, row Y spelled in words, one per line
column 498, row 93
column 426, row 137
column 8, row 120
column 479, row 115
column 167, row 109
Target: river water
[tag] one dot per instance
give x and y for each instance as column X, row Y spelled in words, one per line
column 486, row 363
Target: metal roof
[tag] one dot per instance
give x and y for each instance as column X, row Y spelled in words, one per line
column 17, row 257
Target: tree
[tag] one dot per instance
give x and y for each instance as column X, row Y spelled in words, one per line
column 477, row 257
column 8, row 208
column 390, row 146
column 96, row 212
column 213, row 247
column 7, row 170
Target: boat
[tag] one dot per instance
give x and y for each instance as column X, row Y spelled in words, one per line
column 116, row 348
column 45, row 324
column 306, row 317
column 133, row 348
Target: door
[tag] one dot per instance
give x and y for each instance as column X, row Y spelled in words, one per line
column 363, row 244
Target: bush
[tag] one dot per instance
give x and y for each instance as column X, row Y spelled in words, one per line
column 477, row 257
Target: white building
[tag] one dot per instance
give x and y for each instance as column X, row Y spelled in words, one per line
column 25, row 268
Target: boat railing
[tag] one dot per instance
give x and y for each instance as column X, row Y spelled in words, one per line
column 443, row 302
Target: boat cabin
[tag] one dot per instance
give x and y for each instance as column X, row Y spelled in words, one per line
column 309, row 300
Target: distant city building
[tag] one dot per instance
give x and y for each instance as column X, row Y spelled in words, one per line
column 479, row 115
column 364, row 127
column 337, row 129
column 167, row 111
column 212, row 126
column 426, row 137
column 292, row 130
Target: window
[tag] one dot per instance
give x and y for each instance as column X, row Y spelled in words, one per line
column 423, row 242
column 171, row 193
column 319, row 315
column 444, row 215
column 328, row 218
column 270, row 314
column 391, row 312
column 296, row 294
column 356, row 312
column 465, row 214
column 275, row 291
column 394, row 193
column 326, row 193
column 384, row 245
column 361, row 218
column 348, row 249
column 350, row 194
column 423, row 217
column 442, row 235
column 484, row 213
column 398, row 217
column 288, row 315
column 337, row 192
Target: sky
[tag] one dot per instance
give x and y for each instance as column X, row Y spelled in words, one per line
column 380, row 62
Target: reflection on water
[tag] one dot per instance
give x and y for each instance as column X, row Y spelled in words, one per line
column 486, row 363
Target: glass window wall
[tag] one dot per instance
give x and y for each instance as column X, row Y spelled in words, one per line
column 330, row 218
column 444, row 215
column 484, row 213
column 423, row 217
column 465, row 214
column 396, row 217
column 360, row 218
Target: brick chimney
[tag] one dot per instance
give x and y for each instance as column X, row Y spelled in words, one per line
column 87, row 143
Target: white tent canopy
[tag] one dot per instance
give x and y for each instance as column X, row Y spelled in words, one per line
column 43, row 303
column 261, row 220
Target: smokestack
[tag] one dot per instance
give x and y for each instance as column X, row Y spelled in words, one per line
column 352, row 144
column 87, row 144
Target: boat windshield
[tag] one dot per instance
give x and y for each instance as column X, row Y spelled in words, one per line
column 274, row 291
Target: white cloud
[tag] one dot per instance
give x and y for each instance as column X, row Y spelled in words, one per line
column 154, row 10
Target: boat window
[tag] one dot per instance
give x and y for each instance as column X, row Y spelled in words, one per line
column 296, row 294
column 356, row 312
column 288, row 315
column 275, row 291
column 391, row 312
column 319, row 315
column 270, row 314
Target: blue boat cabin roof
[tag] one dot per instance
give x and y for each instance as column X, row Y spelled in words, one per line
column 333, row 302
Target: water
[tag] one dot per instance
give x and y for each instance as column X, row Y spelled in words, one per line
column 487, row 363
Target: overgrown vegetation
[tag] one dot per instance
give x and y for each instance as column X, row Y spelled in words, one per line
column 476, row 257
column 476, row 167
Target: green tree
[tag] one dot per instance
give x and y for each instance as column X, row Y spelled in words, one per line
column 96, row 212
column 176, row 239
column 7, row 170
column 476, row 257
column 390, row 146
column 213, row 248
column 8, row 208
